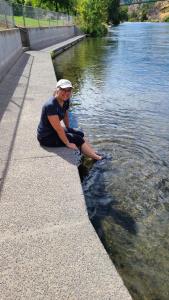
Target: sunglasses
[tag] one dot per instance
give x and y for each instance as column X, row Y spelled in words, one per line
column 67, row 90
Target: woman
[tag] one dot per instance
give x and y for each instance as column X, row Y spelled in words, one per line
column 50, row 133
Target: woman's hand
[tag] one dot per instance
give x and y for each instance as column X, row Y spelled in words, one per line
column 71, row 146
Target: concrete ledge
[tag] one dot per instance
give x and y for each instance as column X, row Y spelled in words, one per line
column 62, row 46
column 49, row 249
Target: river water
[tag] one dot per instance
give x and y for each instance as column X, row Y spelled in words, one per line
column 121, row 97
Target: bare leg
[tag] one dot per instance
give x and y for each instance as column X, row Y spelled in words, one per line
column 90, row 146
column 87, row 142
column 88, row 151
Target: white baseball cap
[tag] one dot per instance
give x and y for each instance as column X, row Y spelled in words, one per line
column 63, row 84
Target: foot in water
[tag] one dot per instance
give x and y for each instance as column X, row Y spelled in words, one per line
column 102, row 156
column 98, row 157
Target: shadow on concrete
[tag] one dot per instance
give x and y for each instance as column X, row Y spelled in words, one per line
column 7, row 88
column 46, row 44
column 63, row 152
column 10, row 82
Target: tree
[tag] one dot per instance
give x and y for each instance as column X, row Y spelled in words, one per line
column 123, row 13
column 113, row 11
column 92, row 16
column 144, row 11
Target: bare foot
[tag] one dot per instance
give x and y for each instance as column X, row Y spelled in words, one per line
column 97, row 157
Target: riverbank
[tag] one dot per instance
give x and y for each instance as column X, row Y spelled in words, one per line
column 48, row 246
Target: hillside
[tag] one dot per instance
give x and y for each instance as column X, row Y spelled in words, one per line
column 163, row 8
column 155, row 12
column 159, row 11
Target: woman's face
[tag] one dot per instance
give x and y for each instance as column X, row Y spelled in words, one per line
column 64, row 94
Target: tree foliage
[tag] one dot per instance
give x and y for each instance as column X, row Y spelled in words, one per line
column 113, row 11
column 91, row 15
column 123, row 13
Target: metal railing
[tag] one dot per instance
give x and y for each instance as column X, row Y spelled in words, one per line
column 12, row 15
column 28, row 16
column 6, row 15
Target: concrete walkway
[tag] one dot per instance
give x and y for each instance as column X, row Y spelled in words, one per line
column 48, row 247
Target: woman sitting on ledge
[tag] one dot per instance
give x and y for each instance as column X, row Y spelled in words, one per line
column 50, row 133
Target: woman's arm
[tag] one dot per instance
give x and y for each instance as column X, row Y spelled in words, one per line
column 66, row 119
column 55, row 122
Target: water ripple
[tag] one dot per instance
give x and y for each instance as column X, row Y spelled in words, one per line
column 121, row 83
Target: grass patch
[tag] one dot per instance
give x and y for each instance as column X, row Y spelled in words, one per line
column 30, row 22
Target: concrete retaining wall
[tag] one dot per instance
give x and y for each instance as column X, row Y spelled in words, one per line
column 44, row 37
column 12, row 41
column 10, row 49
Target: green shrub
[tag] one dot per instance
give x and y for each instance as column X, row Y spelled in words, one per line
column 92, row 17
column 123, row 13
column 166, row 19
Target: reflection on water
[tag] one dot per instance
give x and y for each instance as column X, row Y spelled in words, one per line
column 121, row 85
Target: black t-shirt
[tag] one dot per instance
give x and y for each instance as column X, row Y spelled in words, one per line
column 50, row 108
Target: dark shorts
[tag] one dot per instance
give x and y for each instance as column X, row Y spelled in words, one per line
column 74, row 136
